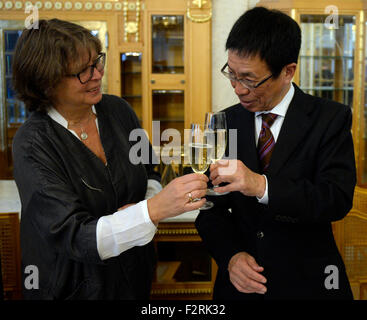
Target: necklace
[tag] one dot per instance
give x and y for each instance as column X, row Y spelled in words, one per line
column 83, row 135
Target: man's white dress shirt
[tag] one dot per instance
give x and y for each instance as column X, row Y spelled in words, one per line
column 280, row 109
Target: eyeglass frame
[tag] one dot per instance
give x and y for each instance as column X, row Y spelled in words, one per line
column 247, row 86
column 92, row 67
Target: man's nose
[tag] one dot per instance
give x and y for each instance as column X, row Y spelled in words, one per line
column 239, row 89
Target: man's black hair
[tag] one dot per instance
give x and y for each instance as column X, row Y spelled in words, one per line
column 271, row 34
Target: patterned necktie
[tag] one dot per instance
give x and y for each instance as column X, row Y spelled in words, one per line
column 266, row 142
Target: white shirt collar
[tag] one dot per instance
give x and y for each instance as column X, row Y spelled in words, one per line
column 56, row 116
column 281, row 108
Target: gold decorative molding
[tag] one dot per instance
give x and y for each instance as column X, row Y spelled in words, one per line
column 199, row 10
column 358, row 104
column 177, row 231
column 179, row 291
column 131, row 27
column 358, row 214
column 57, row 5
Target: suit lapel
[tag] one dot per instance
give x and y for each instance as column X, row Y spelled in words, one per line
column 294, row 129
column 244, row 122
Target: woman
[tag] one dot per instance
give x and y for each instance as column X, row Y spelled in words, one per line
column 85, row 224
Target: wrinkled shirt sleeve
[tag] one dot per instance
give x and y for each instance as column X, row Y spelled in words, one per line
column 124, row 229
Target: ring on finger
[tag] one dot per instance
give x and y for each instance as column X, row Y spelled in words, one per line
column 190, row 197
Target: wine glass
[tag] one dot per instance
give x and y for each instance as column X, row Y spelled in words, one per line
column 216, row 131
column 200, row 155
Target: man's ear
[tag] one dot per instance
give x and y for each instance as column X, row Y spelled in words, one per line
column 290, row 70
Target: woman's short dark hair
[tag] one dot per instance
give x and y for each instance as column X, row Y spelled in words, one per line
column 45, row 55
column 270, row 34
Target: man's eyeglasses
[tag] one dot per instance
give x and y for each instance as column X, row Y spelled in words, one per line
column 250, row 85
column 86, row 74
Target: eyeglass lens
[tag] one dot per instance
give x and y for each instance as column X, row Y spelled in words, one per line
column 243, row 82
column 87, row 74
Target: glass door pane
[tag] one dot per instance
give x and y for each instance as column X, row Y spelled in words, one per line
column 167, row 44
column 168, row 108
column 327, row 57
column 15, row 109
column 131, row 81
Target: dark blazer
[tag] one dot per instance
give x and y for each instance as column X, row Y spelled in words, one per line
column 64, row 189
column 311, row 180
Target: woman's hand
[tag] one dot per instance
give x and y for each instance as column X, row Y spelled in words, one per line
column 126, row 206
column 174, row 199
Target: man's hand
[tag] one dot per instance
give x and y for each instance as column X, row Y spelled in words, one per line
column 239, row 177
column 244, row 274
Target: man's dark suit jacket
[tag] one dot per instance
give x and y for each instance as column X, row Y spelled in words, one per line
column 311, row 180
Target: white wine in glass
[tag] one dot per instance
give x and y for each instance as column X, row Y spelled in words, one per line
column 200, row 160
column 216, row 131
column 200, row 155
column 219, row 142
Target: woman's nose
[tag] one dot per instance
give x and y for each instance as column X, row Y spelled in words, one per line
column 97, row 75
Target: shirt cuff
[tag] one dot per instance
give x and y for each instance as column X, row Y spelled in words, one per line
column 123, row 230
column 265, row 198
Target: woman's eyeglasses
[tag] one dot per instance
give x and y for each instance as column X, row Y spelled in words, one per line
column 87, row 74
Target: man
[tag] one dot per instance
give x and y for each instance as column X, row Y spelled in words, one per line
column 276, row 242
